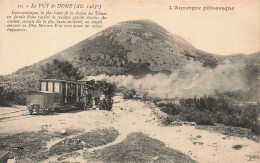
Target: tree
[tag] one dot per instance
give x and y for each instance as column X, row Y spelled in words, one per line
column 61, row 70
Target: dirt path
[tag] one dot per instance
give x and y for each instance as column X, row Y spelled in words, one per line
column 136, row 116
column 200, row 145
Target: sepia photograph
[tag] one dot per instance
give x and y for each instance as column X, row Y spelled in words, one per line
column 118, row 81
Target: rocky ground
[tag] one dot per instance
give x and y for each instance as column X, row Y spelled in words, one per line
column 128, row 116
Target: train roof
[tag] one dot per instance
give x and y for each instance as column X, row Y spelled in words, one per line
column 70, row 81
column 58, row 80
column 42, row 92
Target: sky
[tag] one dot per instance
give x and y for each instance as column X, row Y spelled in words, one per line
column 219, row 32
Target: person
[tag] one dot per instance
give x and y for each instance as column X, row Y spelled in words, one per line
column 110, row 102
column 97, row 99
column 102, row 105
column 90, row 100
column 94, row 107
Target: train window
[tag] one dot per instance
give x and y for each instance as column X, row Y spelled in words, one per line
column 57, row 87
column 43, row 86
column 50, row 86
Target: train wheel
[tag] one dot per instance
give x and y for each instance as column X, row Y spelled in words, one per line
column 37, row 111
column 44, row 111
column 57, row 110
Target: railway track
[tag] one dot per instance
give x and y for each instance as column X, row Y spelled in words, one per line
column 13, row 112
column 14, row 115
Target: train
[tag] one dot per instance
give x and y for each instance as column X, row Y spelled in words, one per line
column 56, row 95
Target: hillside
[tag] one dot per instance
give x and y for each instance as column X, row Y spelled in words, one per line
column 134, row 47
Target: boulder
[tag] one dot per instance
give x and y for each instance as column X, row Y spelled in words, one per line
column 63, row 132
column 176, row 123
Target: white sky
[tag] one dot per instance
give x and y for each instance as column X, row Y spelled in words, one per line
column 217, row 32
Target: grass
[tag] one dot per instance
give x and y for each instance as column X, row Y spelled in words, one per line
column 209, row 110
column 67, row 145
column 68, row 133
column 230, row 131
column 91, row 139
column 137, row 147
column 98, row 137
column 26, row 144
column 31, row 146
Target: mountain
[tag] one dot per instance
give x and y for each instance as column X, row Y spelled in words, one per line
column 135, row 47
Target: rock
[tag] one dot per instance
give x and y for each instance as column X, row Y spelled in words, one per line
column 255, row 138
column 189, row 123
column 193, row 124
column 176, row 123
column 155, row 158
column 237, row 147
column 89, row 146
column 198, row 136
column 199, row 143
column 63, row 132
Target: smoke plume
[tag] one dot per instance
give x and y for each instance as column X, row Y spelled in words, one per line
column 193, row 80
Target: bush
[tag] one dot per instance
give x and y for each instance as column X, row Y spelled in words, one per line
column 256, row 129
column 169, row 119
column 145, row 96
column 129, row 94
column 200, row 117
column 3, row 100
column 156, row 100
column 10, row 95
column 161, row 104
column 171, row 109
column 210, row 110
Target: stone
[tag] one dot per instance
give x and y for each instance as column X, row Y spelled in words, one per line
column 63, row 132
column 176, row 123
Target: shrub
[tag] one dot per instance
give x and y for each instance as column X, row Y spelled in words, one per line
column 3, row 99
column 169, row 119
column 209, row 110
column 161, row 104
column 171, row 109
column 12, row 95
column 145, row 96
column 200, row 117
column 256, row 129
column 129, row 94
column 156, row 100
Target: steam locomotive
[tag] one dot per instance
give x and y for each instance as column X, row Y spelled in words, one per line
column 64, row 95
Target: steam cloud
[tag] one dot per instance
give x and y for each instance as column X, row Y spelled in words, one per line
column 193, row 80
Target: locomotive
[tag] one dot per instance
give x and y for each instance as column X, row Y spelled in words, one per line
column 64, row 95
